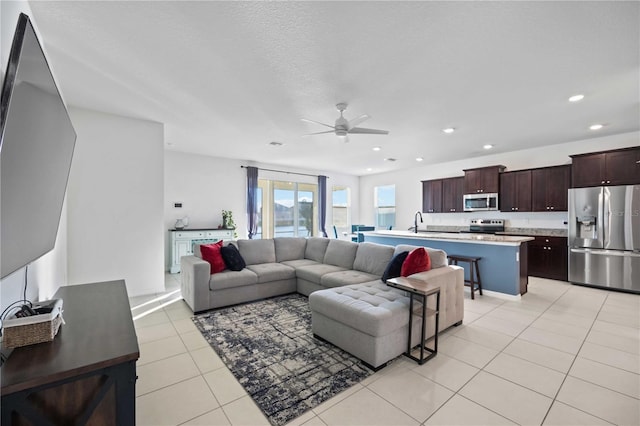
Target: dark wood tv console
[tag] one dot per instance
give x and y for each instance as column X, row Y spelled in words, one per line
column 87, row 374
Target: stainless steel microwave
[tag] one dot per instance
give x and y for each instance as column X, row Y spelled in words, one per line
column 480, row 202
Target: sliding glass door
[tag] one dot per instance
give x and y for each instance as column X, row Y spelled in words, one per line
column 289, row 209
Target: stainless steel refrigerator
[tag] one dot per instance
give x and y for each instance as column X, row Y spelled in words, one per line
column 604, row 237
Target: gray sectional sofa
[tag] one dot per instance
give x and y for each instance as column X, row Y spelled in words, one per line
column 351, row 307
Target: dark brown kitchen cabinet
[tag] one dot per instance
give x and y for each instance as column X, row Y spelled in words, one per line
column 549, row 188
column 617, row 167
column 515, row 191
column 452, row 191
column 432, row 196
column 483, row 179
column 548, row 258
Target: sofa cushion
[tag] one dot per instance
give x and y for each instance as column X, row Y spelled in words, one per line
column 394, row 268
column 348, row 277
column 316, row 248
column 300, row 262
column 290, row 248
column 229, row 279
column 313, row 273
column 372, row 258
column 268, row 272
column 196, row 247
column 438, row 257
column 211, row 253
column 373, row 307
column 341, row 253
column 232, row 258
column 257, row 251
column 416, row 261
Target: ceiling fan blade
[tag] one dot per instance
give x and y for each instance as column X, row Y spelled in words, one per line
column 317, row 122
column 353, row 123
column 368, row 131
column 319, row 133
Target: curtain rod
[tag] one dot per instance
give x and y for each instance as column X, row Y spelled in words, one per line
column 282, row 171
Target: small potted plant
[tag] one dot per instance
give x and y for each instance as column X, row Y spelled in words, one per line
column 227, row 221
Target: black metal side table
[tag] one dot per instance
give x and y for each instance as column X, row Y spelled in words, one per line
column 422, row 290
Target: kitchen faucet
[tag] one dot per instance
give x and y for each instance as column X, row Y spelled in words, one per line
column 415, row 221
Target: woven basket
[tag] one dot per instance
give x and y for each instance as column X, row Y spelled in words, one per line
column 30, row 334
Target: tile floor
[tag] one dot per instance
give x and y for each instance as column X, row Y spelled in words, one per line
column 563, row 355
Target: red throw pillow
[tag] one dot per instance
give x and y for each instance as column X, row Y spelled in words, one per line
column 211, row 253
column 417, row 261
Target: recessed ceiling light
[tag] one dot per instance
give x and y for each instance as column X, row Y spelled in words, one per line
column 419, row 159
column 576, row 98
column 276, row 143
column 487, row 146
column 449, row 130
column 369, row 169
column 376, row 148
column 596, row 127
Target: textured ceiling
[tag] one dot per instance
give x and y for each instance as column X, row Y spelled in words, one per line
column 227, row 78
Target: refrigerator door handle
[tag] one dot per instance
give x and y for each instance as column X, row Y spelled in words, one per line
column 605, row 252
column 604, row 207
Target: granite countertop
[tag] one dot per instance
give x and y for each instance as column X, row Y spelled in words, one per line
column 535, row 232
column 463, row 237
column 531, row 232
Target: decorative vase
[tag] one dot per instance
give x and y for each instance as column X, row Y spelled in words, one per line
column 182, row 223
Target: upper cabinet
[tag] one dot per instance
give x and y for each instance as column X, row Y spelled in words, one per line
column 618, row 167
column 432, row 196
column 515, row 191
column 483, row 179
column 549, row 188
column 452, row 191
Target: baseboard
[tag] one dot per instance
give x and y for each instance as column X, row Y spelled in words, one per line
column 497, row 294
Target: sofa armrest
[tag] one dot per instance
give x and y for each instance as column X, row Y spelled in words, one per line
column 451, row 281
column 195, row 275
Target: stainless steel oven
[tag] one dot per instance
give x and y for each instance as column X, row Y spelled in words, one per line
column 480, row 202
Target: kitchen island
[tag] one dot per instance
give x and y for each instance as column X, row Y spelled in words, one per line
column 503, row 267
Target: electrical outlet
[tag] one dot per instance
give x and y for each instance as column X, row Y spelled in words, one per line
column 177, row 205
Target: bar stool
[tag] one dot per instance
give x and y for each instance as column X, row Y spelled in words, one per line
column 474, row 272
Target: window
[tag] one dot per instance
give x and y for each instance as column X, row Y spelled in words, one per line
column 385, row 205
column 341, row 208
column 286, row 209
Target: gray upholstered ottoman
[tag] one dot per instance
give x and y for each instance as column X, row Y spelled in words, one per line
column 368, row 320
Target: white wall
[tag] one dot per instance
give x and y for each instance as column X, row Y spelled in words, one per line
column 207, row 185
column 115, row 198
column 49, row 272
column 409, row 186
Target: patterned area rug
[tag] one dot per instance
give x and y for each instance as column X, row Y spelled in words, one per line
column 269, row 347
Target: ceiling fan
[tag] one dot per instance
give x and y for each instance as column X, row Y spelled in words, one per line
column 343, row 127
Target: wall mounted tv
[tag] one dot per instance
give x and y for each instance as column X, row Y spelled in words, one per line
column 36, row 148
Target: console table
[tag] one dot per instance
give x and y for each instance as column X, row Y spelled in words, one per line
column 423, row 291
column 181, row 242
column 87, row 374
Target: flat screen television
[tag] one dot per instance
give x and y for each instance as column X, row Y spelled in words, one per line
column 36, row 147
